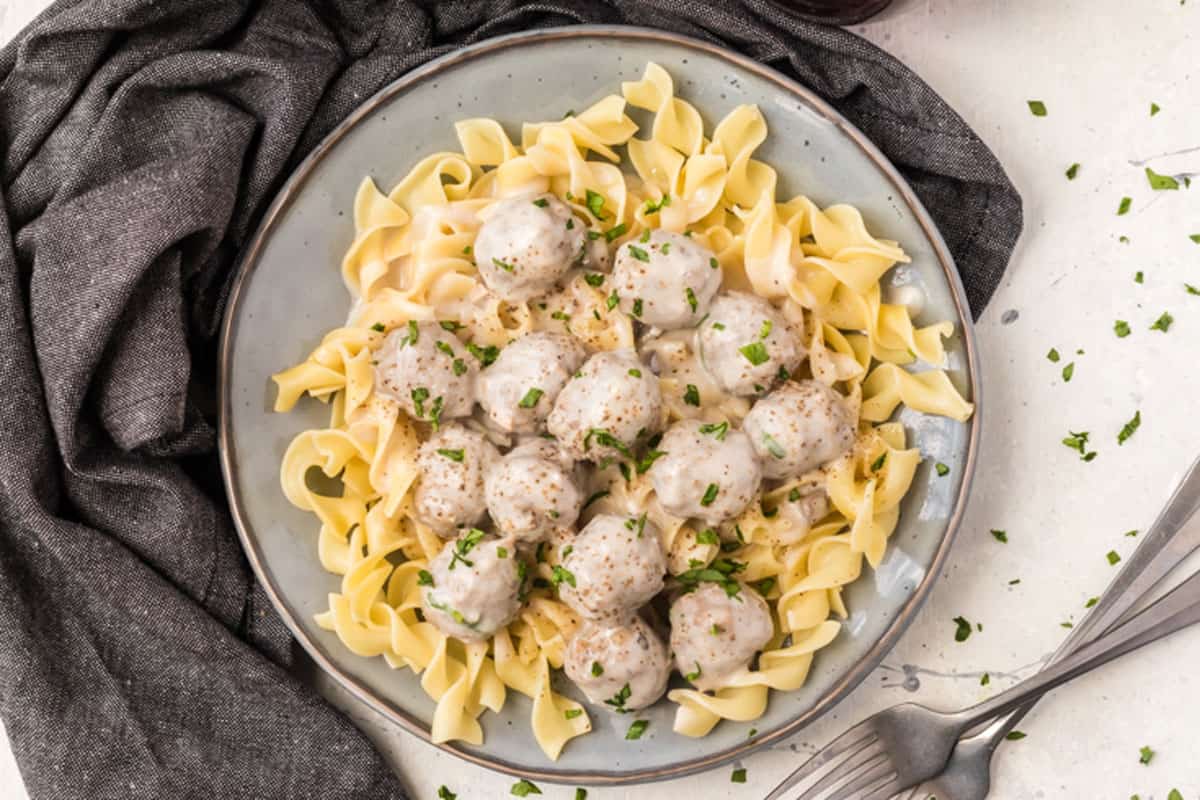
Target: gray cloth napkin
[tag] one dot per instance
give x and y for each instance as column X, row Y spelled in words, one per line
column 141, row 141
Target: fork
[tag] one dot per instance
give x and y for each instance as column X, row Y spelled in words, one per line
column 1169, row 541
column 902, row 746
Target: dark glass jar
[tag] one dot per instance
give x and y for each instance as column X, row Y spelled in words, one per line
column 834, row 12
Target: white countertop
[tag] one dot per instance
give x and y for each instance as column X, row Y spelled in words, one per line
column 1097, row 66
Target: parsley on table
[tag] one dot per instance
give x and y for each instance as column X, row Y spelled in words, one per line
column 524, row 788
column 1121, row 328
column 1078, row 442
column 1037, row 108
column 1053, row 355
column 446, row 794
column 1014, row 736
column 1072, row 171
column 1130, row 427
column 1000, row 536
column 637, row 306
column 580, row 793
column 1113, row 557
column 986, row 679
column 531, row 398
column 963, row 630
column 1145, row 755
column 1123, row 209
column 637, row 729
column 1068, row 371
column 942, row 469
column 692, row 395
column 1154, row 109
column 738, row 776
column 1160, row 182
column 1163, row 323
column 1139, row 277
column 1191, row 289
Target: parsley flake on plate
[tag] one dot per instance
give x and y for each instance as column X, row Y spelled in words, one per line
column 1000, row 536
column 1163, row 323
column 962, row 631
column 1053, row 356
column 1068, row 371
column 1037, row 108
column 942, row 469
column 1072, row 171
column 580, row 793
column 524, row 788
column 1154, row 109
column 1078, row 442
column 1160, row 182
column 1145, row 755
column 446, row 794
column 1015, row 736
column 1113, row 557
column 985, row 679
column 637, row 729
column 1130, row 428
column 738, row 776
column 1121, row 328
column 1123, row 208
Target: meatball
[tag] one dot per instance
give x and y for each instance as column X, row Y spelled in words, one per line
column 714, row 635
column 472, row 587
column 615, row 565
column 798, row 427
column 665, row 279
column 611, row 401
column 625, row 667
column 519, row 389
column 746, row 345
column 530, row 493
column 526, row 245
column 428, row 370
column 709, row 471
column 452, row 466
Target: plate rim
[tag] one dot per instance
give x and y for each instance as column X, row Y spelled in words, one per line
column 248, row 261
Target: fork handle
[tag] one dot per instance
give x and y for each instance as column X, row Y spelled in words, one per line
column 1173, row 536
column 1178, row 609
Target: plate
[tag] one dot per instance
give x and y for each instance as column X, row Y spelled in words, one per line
column 289, row 292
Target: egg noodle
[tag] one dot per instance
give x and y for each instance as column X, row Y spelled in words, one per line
column 411, row 260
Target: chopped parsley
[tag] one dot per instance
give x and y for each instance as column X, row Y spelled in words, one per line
column 1132, row 533
column 647, row 461
column 765, row 586
column 612, row 300
column 1000, row 536
column 645, row 237
column 1015, row 736
column 773, row 447
column 755, row 353
column 594, row 279
column 878, row 463
column 637, row 729
column 597, row 670
column 963, row 630
column 691, row 299
column 595, row 204
column 692, row 395
column 1113, row 557
column 606, row 439
column 571, row 224
column 419, row 396
column 710, row 494
column 580, row 793
column 424, row 578
column 465, row 545
column 1154, row 109
column 639, row 253
column 712, row 262
column 459, row 366
column 666, row 248
column 541, row 202
column 504, row 265
column 1068, row 371
column 594, row 497
column 501, row 552
column 635, row 373
column 1123, row 209
column 716, row 630
column 1078, row 442
column 614, row 232
column 1091, row 603
column 653, row 207
column 1163, row 323
column 1130, row 427
column 524, row 788
column 446, row 794
column 637, row 307
column 453, row 455
column 572, row 713
column 562, row 575
column 1072, row 171
column 1191, row 289
column 485, row 355
column 531, row 398
column 714, row 429
column 942, row 469
column 638, row 524
column 435, row 413
column 618, row 700
column 738, row 776
column 718, row 326
column 765, row 330
column 986, row 679
column 1037, row 108
column 691, row 676
column 720, row 572
column 454, row 613
column 378, row 327
column 1160, row 182
column 1139, row 277
column 1121, row 328
column 708, row 536
column 444, row 348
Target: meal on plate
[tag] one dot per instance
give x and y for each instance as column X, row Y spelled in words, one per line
column 619, row 412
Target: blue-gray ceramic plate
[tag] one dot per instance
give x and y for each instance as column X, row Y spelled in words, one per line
column 289, row 293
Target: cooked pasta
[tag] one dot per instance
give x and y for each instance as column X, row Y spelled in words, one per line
column 413, row 270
